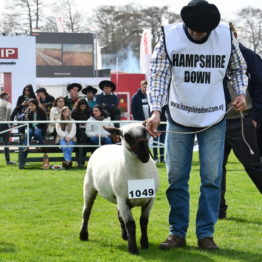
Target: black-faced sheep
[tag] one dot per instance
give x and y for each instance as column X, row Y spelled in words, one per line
column 109, row 169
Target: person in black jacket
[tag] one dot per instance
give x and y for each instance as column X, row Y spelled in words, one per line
column 45, row 100
column 247, row 153
column 72, row 97
column 108, row 100
column 36, row 130
column 139, row 103
column 22, row 103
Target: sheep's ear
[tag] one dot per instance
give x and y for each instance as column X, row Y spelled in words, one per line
column 114, row 130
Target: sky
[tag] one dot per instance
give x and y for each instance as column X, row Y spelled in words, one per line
column 228, row 8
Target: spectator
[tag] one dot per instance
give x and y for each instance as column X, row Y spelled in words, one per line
column 66, row 135
column 72, row 96
column 108, row 100
column 22, row 104
column 139, row 103
column 36, row 130
column 81, row 112
column 90, row 92
column 55, row 113
column 45, row 100
column 5, row 112
column 96, row 131
column 252, row 114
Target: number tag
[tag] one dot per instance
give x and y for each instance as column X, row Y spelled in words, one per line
column 141, row 188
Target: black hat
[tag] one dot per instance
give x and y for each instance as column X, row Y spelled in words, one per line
column 104, row 83
column 200, row 16
column 89, row 89
column 70, row 86
column 41, row 89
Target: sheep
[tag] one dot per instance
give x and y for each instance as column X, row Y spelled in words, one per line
column 109, row 169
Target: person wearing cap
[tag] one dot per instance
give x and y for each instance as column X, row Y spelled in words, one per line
column 72, row 97
column 188, row 66
column 247, row 151
column 45, row 100
column 5, row 113
column 90, row 92
column 108, row 100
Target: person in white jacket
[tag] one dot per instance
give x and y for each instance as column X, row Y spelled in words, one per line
column 96, row 131
column 66, row 135
column 55, row 113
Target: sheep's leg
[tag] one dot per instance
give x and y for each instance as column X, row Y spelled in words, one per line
column 90, row 196
column 145, row 211
column 130, row 225
column 123, row 228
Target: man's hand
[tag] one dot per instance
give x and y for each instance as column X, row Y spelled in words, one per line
column 239, row 103
column 152, row 124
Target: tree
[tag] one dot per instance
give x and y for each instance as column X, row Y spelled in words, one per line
column 250, row 28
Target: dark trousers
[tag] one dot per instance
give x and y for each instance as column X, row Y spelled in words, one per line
column 5, row 137
column 251, row 163
column 259, row 137
column 156, row 146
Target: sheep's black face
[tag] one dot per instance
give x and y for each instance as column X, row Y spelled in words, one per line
column 138, row 143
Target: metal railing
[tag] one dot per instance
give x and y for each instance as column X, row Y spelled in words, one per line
column 15, row 125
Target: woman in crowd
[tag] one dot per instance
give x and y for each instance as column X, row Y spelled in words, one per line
column 66, row 135
column 36, row 130
column 81, row 112
column 45, row 100
column 22, row 104
column 94, row 131
column 55, row 113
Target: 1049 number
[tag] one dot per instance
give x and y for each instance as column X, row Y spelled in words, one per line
column 142, row 194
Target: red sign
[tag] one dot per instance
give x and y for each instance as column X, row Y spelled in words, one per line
column 9, row 53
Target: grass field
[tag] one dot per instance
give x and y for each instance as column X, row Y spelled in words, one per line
column 40, row 216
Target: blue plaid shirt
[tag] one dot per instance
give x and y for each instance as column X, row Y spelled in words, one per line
column 161, row 74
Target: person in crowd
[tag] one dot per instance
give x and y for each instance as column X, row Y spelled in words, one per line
column 72, row 97
column 5, row 113
column 253, row 113
column 139, row 103
column 90, row 92
column 36, row 130
column 22, row 104
column 55, row 113
column 140, row 111
column 45, row 100
column 66, row 135
column 95, row 131
column 108, row 100
column 82, row 111
column 188, row 66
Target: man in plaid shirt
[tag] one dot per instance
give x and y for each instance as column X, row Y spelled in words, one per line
column 188, row 67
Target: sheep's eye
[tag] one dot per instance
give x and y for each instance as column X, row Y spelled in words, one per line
column 128, row 138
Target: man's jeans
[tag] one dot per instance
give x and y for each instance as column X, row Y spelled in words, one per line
column 179, row 158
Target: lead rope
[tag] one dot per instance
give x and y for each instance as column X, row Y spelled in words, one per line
column 202, row 130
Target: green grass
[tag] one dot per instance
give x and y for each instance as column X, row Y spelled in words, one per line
column 40, row 216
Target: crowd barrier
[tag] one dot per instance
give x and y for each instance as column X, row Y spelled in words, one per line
column 21, row 141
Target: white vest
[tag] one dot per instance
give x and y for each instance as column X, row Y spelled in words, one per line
column 196, row 95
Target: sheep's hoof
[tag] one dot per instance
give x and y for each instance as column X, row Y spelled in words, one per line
column 83, row 236
column 134, row 252
column 144, row 244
